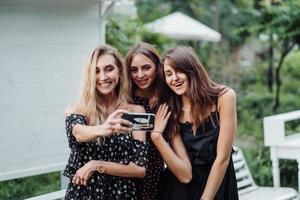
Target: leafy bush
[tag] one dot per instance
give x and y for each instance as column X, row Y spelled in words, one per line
column 29, row 186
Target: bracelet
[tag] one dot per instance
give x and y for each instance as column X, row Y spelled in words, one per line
column 101, row 168
column 157, row 131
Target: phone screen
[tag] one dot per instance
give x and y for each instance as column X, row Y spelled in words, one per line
column 140, row 121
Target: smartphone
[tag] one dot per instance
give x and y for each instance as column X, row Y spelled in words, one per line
column 140, row 121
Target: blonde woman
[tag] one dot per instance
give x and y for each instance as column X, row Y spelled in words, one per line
column 106, row 156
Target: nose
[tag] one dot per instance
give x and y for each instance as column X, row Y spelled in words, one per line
column 140, row 74
column 175, row 77
column 102, row 76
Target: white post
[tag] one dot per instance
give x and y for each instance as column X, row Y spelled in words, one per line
column 103, row 11
column 275, row 167
column 63, row 181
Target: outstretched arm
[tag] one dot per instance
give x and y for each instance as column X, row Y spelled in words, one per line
column 114, row 123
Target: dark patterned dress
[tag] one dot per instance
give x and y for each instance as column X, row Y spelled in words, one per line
column 148, row 186
column 202, row 152
column 120, row 148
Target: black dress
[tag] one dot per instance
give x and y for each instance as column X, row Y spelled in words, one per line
column 201, row 148
column 120, row 148
column 148, row 186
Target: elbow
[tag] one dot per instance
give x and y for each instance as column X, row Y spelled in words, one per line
column 222, row 161
column 78, row 137
column 187, row 177
column 185, row 180
column 141, row 172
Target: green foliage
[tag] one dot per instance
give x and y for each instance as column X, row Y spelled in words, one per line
column 260, row 165
column 122, row 32
column 30, row 186
column 288, row 167
column 291, row 73
column 251, row 110
column 152, row 10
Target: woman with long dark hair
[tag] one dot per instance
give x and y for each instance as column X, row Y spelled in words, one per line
column 148, row 90
column 204, row 115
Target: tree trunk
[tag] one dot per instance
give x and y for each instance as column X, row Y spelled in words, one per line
column 285, row 52
column 270, row 75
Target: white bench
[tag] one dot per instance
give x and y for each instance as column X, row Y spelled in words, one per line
column 50, row 196
column 282, row 146
column 247, row 188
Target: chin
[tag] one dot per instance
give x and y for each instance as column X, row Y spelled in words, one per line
column 179, row 93
column 143, row 87
column 105, row 91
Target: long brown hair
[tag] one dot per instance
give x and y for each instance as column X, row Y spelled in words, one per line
column 150, row 52
column 91, row 103
column 203, row 92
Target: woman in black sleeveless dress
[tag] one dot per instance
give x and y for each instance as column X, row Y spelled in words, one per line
column 204, row 114
column 106, row 156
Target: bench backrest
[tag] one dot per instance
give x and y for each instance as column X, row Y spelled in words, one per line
column 245, row 182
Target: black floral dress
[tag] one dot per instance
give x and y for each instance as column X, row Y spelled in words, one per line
column 148, row 186
column 120, row 148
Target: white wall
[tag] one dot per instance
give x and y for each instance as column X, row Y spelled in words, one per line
column 43, row 46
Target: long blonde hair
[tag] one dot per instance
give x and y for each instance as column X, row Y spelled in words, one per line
column 91, row 101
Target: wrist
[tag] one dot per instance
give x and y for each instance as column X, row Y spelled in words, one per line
column 100, row 131
column 157, row 130
column 155, row 135
column 101, row 168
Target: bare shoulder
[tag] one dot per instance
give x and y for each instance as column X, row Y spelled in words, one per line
column 134, row 108
column 70, row 109
column 227, row 97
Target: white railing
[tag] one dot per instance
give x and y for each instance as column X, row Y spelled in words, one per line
column 281, row 145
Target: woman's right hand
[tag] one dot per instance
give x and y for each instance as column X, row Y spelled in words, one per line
column 115, row 124
column 161, row 119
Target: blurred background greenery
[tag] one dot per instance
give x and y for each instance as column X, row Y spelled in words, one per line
column 266, row 84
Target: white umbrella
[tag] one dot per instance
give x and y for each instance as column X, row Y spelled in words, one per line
column 180, row 26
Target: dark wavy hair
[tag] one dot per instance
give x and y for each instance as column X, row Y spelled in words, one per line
column 150, row 52
column 203, row 92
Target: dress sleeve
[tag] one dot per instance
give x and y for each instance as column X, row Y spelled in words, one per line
column 70, row 122
column 140, row 153
column 76, row 158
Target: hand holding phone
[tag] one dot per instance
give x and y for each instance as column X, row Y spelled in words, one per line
column 140, row 121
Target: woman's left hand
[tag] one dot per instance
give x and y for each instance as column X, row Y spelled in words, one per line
column 84, row 173
column 161, row 119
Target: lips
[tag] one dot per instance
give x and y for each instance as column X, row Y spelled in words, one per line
column 178, row 84
column 142, row 82
column 105, row 84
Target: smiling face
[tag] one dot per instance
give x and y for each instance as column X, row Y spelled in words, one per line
column 143, row 71
column 107, row 74
column 176, row 80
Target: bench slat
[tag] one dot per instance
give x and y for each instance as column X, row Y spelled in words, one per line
column 50, row 196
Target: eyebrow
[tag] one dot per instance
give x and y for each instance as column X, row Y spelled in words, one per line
column 145, row 65
column 109, row 65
